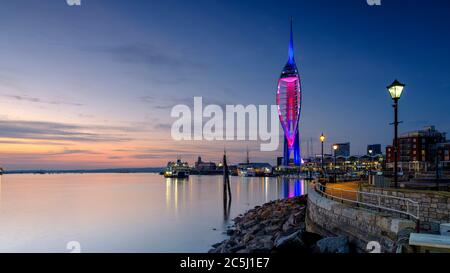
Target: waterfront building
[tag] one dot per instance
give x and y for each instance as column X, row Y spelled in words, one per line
column 345, row 164
column 204, row 166
column 288, row 100
column 418, row 150
column 343, row 149
column 254, row 169
column 279, row 161
column 443, row 150
column 374, row 149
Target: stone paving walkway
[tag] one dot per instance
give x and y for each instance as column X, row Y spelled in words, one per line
column 335, row 189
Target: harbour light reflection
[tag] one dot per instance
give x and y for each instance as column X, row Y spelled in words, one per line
column 147, row 211
column 245, row 190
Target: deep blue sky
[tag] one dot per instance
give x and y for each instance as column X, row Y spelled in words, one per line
column 123, row 64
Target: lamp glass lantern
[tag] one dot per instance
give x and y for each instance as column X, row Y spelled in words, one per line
column 396, row 89
column 322, row 138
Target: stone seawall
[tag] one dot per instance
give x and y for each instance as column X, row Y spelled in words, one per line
column 330, row 218
column 434, row 206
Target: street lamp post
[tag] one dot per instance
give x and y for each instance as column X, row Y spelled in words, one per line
column 370, row 160
column 335, row 147
column 437, row 168
column 322, row 139
column 395, row 90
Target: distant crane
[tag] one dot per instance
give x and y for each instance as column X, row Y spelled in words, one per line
column 248, row 156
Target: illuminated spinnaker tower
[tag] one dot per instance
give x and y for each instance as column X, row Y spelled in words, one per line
column 289, row 97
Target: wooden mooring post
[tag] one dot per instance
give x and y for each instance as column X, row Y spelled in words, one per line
column 226, row 188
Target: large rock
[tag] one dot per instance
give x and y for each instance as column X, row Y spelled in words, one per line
column 299, row 217
column 272, row 229
column 247, row 238
column 288, row 224
column 310, row 239
column 338, row 244
column 236, row 248
column 249, row 224
column 266, row 214
column 217, row 245
column 231, row 231
column 292, row 241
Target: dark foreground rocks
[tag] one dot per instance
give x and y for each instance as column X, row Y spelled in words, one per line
column 278, row 226
column 333, row 245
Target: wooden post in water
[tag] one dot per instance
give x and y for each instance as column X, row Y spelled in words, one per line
column 226, row 188
column 226, row 176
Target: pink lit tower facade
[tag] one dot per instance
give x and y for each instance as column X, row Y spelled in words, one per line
column 289, row 98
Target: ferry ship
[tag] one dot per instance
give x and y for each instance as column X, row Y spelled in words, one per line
column 254, row 169
column 177, row 169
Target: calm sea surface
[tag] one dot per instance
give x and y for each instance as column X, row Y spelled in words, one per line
column 126, row 212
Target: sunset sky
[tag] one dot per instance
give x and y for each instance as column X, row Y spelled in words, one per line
column 92, row 86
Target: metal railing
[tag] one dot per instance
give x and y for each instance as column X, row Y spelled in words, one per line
column 403, row 206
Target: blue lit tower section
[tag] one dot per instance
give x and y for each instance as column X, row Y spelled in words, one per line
column 289, row 106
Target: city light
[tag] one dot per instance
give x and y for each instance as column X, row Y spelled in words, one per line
column 322, row 138
column 396, row 89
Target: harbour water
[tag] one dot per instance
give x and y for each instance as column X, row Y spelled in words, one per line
column 133, row 212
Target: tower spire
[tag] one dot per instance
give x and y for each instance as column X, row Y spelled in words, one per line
column 291, row 46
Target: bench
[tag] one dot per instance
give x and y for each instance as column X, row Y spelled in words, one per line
column 430, row 242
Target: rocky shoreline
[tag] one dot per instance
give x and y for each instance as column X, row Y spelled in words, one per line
column 277, row 226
